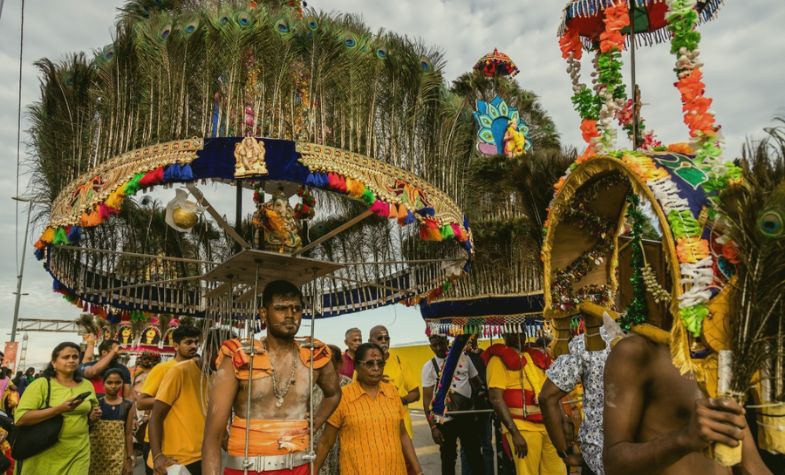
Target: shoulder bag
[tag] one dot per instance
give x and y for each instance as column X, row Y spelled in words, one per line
column 453, row 401
column 31, row 440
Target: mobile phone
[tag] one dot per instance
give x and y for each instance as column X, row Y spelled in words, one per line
column 82, row 396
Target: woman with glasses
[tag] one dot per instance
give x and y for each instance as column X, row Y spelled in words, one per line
column 369, row 422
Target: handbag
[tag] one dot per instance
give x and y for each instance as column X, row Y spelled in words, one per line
column 31, row 440
column 453, row 401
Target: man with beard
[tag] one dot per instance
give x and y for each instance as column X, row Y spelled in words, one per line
column 186, row 340
column 397, row 372
column 109, row 354
column 353, row 338
column 277, row 375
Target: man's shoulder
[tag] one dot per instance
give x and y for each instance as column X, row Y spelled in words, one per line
column 632, row 351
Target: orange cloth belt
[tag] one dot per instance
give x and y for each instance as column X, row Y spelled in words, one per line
column 268, row 437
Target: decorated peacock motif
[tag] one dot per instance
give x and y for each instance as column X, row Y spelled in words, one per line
column 501, row 129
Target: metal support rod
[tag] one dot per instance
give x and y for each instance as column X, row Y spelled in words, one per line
column 238, row 211
column 20, row 275
column 249, row 328
column 332, row 233
column 632, row 78
column 311, row 452
column 217, row 217
column 69, row 247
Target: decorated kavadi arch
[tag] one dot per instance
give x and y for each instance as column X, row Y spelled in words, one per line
column 341, row 134
column 598, row 202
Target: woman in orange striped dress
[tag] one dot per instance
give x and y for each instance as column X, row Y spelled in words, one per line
column 369, row 423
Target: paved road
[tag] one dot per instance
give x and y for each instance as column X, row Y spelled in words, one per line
column 427, row 451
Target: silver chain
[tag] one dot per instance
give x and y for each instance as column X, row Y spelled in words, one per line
column 281, row 392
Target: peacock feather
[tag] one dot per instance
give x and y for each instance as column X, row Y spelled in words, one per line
column 754, row 213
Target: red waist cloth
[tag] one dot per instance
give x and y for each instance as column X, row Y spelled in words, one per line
column 514, row 399
column 301, row 470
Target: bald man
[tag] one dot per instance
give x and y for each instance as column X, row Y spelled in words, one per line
column 397, row 372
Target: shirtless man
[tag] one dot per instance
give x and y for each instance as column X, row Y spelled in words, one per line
column 279, row 436
column 657, row 421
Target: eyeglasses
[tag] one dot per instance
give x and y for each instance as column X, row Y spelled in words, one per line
column 383, row 338
column 373, row 363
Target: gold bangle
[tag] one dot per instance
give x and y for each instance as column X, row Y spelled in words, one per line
column 156, row 456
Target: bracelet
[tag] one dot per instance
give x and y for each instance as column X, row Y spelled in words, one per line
column 156, row 456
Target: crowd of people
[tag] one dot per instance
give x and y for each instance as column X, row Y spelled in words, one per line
column 247, row 407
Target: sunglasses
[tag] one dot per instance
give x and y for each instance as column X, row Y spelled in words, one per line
column 383, row 338
column 373, row 363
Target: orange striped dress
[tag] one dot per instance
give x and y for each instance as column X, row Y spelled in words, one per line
column 369, row 431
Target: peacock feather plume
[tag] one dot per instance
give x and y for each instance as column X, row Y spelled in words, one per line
column 755, row 218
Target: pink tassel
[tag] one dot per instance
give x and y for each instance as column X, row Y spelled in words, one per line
column 459, row 234
column 332, row 181
column 380, row 208
column 104, row 212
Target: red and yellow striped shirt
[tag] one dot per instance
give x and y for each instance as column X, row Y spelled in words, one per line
column 370, row 431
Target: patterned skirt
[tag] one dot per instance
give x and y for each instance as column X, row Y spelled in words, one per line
column 107, row 447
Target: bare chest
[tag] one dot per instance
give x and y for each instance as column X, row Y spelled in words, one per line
column 284, row 395
column 670, row 404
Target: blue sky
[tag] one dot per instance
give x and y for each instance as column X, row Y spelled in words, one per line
column 742, row 51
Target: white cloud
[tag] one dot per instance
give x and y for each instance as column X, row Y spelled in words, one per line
column 742, row 51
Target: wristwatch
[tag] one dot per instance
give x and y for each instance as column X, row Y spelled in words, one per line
column 563, row 454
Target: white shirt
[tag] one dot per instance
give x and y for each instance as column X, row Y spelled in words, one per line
column 460, row 380
column 582, row 366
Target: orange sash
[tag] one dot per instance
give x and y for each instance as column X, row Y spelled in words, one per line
column 262, row 368
column 268, row 437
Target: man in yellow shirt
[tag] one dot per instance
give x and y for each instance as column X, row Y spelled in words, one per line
column 515, row 379
column 178, row 417
column 177, row 423
column 186, row 340
column 397, row 373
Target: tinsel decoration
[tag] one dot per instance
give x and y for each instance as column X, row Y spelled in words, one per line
column 658, row 294
column 636, row 311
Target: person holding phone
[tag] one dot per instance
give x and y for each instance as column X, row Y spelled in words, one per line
column 70, row 395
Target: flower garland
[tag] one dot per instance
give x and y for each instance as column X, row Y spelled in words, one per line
column 607, row 99
column 704, row 130
column 307, row 208
column 586, row 103
column 637, row 310
column 610, row 87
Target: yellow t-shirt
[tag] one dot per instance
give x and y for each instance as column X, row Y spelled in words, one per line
column 499, row 377
column 153, row 382
column 369, row 431
column 398, row 373
column 184, row 389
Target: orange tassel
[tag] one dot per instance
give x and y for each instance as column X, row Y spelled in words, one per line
column 94, row 219
column 393, row 211
column 48, row 235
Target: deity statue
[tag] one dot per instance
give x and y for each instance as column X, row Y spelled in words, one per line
column 514, row 141
column 276, row 219
column 151, row 336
